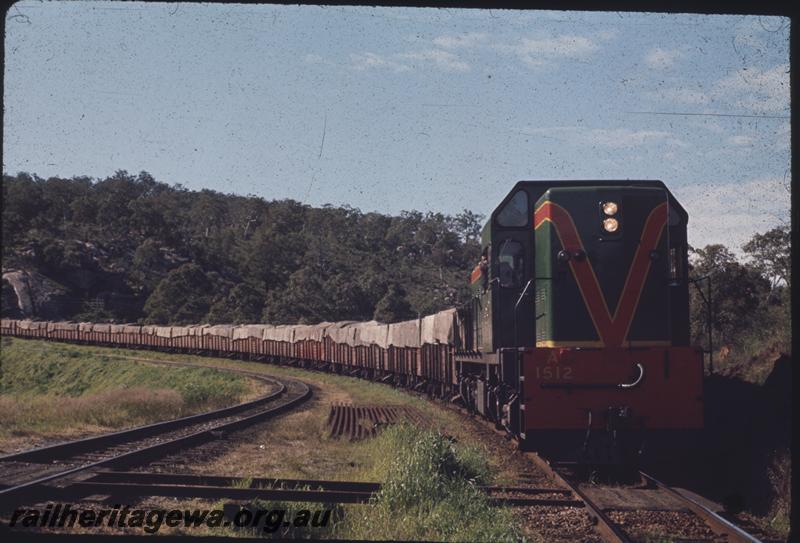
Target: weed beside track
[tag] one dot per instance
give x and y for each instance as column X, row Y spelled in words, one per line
column 430, row 492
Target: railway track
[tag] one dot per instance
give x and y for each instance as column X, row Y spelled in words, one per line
column 650, row 508
column 26, row 475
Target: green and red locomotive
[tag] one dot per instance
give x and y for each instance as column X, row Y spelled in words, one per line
column 577, row 337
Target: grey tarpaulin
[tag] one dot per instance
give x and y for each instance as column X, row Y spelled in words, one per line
column 404, row 334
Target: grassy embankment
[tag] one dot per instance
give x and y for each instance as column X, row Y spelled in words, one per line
column 429, row 474
column 57, row 391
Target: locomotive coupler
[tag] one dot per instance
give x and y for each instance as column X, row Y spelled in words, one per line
column 620, row 426
column 612, row 451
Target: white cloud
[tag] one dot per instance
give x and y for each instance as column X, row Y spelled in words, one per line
column 313, row 59
column 748, row 91
column 741, row 140
column 461, row 41
column 442, row 53
column 662, row 59
column 615, row 138
column 607, row 35
column 730, row 213
column 365, row 61
column 538, row 52
column 757, row 91
column 624, row 137
column 443, row 59
column 403, row 62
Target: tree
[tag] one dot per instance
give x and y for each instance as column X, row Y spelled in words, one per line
column 394, row 306
column 208, row 211
column 303, row 300
column 311, row 297
column 469, row 225
column 21, row 210
column 148, row 267
column 737, row 294
column 182, row 297
column 242, row 305
column 123, row 234
column 771, row 255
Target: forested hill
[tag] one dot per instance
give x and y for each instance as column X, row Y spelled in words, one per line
column 129, row 248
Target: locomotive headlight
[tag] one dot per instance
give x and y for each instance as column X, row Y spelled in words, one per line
column 610, row 225
column 610, row 209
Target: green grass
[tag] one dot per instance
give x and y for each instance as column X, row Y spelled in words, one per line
column 429, row 492
column 365, row 391
column 58, row 389
column 430, row 479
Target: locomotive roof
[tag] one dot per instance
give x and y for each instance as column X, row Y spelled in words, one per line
column 538, row 187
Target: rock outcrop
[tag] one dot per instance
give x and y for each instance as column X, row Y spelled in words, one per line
column 36, row 295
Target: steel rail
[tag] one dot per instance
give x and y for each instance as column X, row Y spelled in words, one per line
column 113, row 476
column 30, row 489
column 128, row 491
column 611, row 532
column 217, row 486
column 607, row 529
column 347, row 492
column 718, row 523
column 221, row 480
column 67, row 449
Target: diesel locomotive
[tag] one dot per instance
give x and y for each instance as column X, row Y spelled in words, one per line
column 575, row 339
column 577, row 334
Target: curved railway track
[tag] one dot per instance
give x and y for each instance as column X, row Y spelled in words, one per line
column 35, row 472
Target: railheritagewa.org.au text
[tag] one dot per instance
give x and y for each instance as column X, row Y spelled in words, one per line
column 152, row 520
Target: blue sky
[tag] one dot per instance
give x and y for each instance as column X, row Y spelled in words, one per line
column 387, row 109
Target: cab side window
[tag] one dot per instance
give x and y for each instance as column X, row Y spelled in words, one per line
column 510, row 263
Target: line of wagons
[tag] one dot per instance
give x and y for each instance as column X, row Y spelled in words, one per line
column 416, row 353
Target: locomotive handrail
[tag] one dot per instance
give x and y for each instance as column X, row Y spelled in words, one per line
column 636, row 382
column 516, row 307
